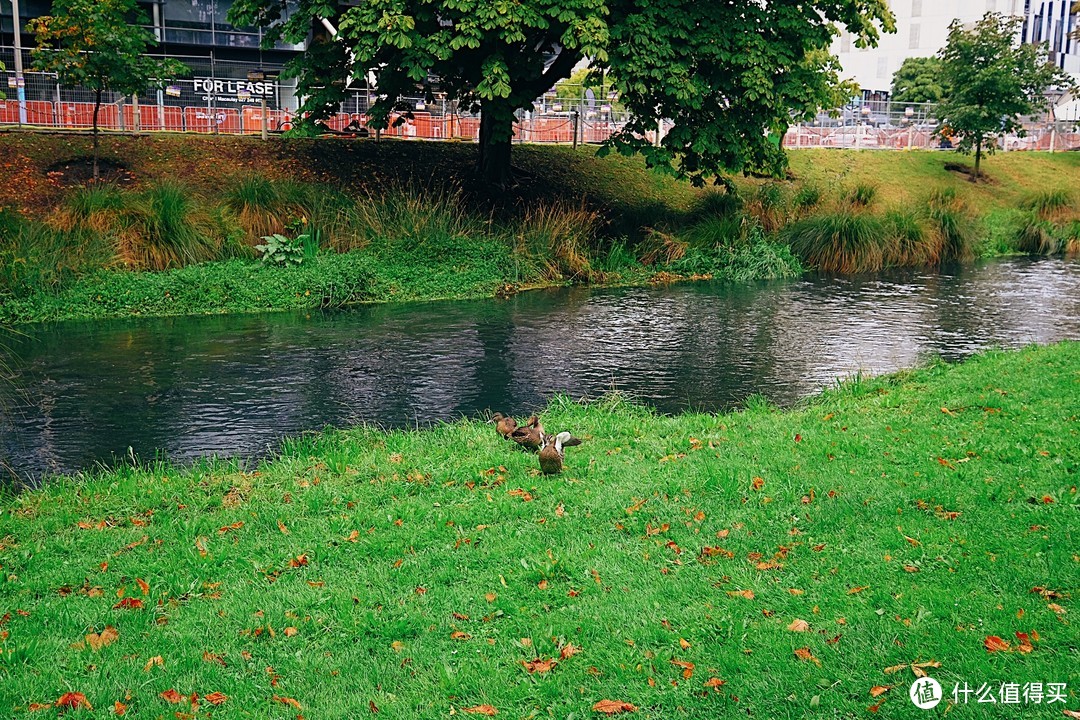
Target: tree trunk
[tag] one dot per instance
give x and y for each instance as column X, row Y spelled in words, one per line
column 978, row 157
column 496, row 140
column 97, row 108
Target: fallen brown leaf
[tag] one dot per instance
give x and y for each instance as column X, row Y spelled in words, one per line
column 129, row 604
column 73, row 700
column 216, row 698
column 612, row 707
column 799, row 626
column 539, row 665
column 748, row 594
column 995, row 644
column 172, row 696
column 879, row 690
column 288, row 701
column 804, row 653
column 480, row 710
column 96, row 641
column 156, row 660
column 568, row 651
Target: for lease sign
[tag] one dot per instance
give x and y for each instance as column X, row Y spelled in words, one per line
column 233, row 90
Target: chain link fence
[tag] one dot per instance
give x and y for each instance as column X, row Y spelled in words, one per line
column 217, row 97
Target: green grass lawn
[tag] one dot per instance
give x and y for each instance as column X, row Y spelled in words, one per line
column 902, row 519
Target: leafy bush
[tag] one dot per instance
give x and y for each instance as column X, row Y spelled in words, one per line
column 281, row 250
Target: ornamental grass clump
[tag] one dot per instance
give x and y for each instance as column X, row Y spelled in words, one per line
column 554, row 240
column 260, row 207
column 168, row 228
column 952, row 224
column 909, row 244
column 845, row 240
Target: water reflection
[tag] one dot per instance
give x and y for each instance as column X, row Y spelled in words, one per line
column 235, row 385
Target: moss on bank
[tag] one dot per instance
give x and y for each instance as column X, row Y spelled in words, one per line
column 761, row 562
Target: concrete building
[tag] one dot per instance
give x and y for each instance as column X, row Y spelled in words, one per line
column 1051, row 22
column 922, row 27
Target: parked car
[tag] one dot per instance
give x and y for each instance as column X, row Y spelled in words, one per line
column 853, row 136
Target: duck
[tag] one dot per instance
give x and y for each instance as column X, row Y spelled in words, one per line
column 504, row 425
column 530, row 435
column 551, row 454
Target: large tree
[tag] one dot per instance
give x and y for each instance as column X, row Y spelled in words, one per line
column 918, row 81
column 994, row 81
column 99, row 45
column 727, row 72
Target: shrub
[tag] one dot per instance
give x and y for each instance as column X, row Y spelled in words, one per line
column 97, row 208
column 713, row 203
column 280, row 250
column 843, row 241
column 37, row 257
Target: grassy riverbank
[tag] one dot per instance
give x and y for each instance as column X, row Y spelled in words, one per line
column 175, row 229
column 772, row 563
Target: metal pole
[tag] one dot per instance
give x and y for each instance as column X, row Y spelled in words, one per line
column 136, row 113
column 265, row 133
column 20, row 81
column 577, row 117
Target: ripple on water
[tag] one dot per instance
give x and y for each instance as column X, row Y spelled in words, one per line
column 189, row 387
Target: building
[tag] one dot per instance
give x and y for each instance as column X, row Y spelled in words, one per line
column 196, row 32
column 1053, row 23
column 922, row 27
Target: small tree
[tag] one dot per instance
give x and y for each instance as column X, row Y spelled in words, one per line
column 993, row 81
column 89, row 43
column 918, row 81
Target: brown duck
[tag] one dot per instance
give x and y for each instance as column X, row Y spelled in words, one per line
column 530, row 435
column 504, row 425
column 551, row 454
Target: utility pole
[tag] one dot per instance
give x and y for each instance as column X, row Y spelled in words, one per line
column 20, row 81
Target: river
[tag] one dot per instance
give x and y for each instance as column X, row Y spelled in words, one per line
column 86, row 393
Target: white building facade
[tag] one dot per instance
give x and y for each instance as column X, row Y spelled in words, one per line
column 1050, row 22
column 922, row 27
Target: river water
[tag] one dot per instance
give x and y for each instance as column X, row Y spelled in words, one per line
column 83, row 393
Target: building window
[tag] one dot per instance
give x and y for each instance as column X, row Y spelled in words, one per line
column 882, row 67
column 845, row 42
column 913, row 38
column 916, row 8
column 991, row 5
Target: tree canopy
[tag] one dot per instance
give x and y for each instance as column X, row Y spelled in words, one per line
column 90, row 43
column 994, row 81
column 918, row 80
column 727, row 72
